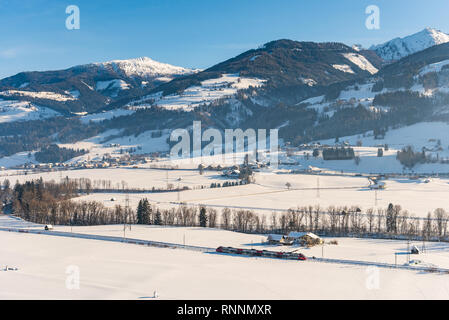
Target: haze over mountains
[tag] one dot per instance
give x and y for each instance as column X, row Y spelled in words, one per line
column 308, row 90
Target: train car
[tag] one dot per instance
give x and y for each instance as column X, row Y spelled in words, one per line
column 262, row 253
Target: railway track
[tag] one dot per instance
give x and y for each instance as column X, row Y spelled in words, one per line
column 226, row 250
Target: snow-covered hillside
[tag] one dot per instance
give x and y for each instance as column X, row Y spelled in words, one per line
column 17, row 159
column 106, row 115
column 44, row 95
column 11, row 110
column 434, row 67
column 361, row 62
column 401, row 47
column 110, row 143
column 350, row 97
column 343, row 68
column 209, row 91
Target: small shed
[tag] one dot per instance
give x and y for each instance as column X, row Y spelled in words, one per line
column 415, row 250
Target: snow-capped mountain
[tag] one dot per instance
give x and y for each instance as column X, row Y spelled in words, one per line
column 145, row 67
column 401, row 47
column 90, row 87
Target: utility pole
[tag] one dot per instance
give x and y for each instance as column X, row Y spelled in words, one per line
column 166, row 177
column 423, row 244
column 408, row 251
column 125, row 215
column 375, row 197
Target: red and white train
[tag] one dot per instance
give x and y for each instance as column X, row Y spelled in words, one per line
column 262, row 253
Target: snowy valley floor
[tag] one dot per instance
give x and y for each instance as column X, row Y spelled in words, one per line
column 110, row 270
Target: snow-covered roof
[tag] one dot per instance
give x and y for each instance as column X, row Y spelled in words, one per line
column 276, row 237
column 294, row 234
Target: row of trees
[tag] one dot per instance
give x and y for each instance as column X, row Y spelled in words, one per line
column 16, row 137
column 338, row 153
column 49, row 202
column 389, row 222
column 53, row 154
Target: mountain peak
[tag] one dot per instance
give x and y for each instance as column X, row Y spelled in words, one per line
column 145, row 67
column 402, row 47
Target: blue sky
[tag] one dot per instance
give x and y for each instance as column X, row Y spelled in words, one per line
column 192, row 33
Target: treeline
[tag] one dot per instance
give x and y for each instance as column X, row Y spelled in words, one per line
column 53, row 153
column 154, row 118
column 16, row 137
column 338, row 153
column 406, row 107
column 49, row 202
column 409, row 158
column 392, row 221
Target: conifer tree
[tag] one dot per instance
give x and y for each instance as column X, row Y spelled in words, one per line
column 140, row 213
column 146, row 212
column 157, row 218
column 203, row 217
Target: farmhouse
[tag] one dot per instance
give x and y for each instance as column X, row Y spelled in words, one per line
column 304, row 238
column 274, row 238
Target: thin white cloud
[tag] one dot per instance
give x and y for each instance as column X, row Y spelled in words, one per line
column 9, row 53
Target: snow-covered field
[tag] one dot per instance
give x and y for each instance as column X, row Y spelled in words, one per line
column 372, row 250
column 142, row 178
column 110, row 270
column 269, row 194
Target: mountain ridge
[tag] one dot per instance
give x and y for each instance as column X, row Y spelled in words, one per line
column 398, row 48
